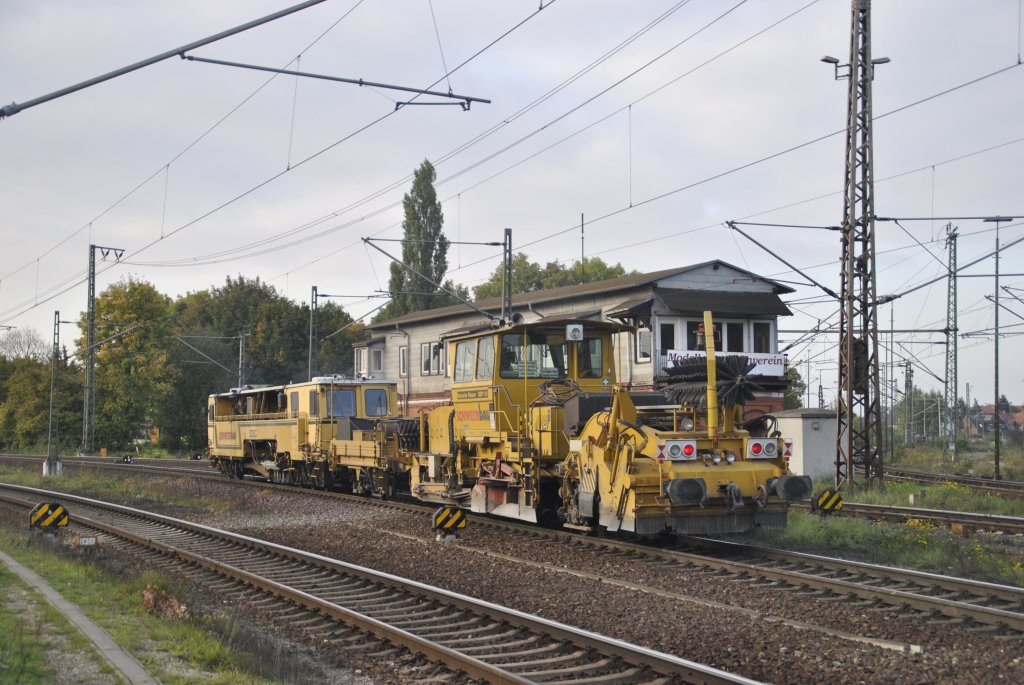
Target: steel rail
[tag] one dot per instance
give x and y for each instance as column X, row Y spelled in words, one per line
column 1003, row 487
column 660, row 664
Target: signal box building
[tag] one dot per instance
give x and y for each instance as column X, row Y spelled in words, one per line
column 660, row 313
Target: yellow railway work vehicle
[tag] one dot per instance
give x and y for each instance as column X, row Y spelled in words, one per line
column 498, row 446
column 651, row 469
column 284, row 433
column 538, row 430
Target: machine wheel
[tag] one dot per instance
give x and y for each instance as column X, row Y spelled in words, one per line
column 388, row 486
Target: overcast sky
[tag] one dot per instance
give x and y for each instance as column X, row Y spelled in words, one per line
column 657, row 121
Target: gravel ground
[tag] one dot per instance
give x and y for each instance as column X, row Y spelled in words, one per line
column 761, row 633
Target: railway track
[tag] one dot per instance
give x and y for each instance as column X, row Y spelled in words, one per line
column 1010, row 488
column 332, row 599
column 972, row 604
column 1012, row 525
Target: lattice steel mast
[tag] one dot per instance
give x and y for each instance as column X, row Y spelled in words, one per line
column 952, row 411
column 858, row 409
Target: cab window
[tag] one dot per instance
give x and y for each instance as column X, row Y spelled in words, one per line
column 540, row 355
column 464, row 361
column 589, row 361
column 376, row 402
column 341, row 402
column 485, row 360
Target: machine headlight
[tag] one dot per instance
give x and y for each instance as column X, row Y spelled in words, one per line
column 686, row 424
column 716, row 458
column 730, row 457
column 674, row 450
column 770, row 449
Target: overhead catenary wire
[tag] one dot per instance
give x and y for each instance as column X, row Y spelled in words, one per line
column 265, row 182
column 184, row 150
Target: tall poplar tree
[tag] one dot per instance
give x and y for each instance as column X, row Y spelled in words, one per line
column 424, row 249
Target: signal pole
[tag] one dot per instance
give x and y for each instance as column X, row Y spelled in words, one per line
column 858, row 411
column 312, row 334
column 52, row 465
column 908, row 404
column 89, row 405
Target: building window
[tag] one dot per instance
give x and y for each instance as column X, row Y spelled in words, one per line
column 668, row 337
column 376, row 361
column 762, row 337
column 361, row 361
column 431, row 359
column 728, row 336
column 734, row 337
column 644, row 341
column 693, row 335
column 403, row 361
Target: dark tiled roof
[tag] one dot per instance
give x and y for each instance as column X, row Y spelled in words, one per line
column 493, row 304
column 722, row 302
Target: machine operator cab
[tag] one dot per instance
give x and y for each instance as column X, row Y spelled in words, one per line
column 499, row 442
column 498, row 375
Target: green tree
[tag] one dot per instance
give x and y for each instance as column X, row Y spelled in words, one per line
column 530, row 276
column 1004, row 404
column 424, row 250
column 25, row 373
column 276, row 333
column 797, row 387
column 24, row 415
column 133, row 370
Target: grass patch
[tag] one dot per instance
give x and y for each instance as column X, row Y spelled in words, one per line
column 920, row 546
column 125, row 487
column 116, row 604
column 947, row 496
column 975, row 459
column 22, row 655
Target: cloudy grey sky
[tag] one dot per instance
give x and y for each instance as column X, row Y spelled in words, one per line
column 656, row 120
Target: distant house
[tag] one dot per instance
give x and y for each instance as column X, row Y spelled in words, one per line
column 660, row 313
column 982, row 420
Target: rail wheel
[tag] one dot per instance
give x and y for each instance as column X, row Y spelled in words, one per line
column 387, row 486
